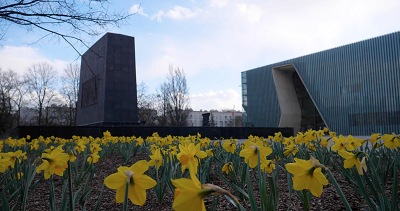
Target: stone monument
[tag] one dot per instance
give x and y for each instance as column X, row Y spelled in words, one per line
column 107, row 89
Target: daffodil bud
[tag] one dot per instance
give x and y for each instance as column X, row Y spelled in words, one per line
column 216, row 190
column 363, row 166
column 316, row 164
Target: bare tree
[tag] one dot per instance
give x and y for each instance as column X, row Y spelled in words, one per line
column 146, row 102
column 162, row 104
column 41, row 80
column 19, row 98
column 178, row 101
column 70, row 89
column 8, row 84
column 62, row 18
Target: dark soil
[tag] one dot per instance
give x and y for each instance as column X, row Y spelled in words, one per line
column 329, row 200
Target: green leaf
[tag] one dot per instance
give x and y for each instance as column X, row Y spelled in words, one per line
column 4, row 201
column 252, row 198
column 394, row 188
column 99, row 199
column 64, row 201
column 82, row 200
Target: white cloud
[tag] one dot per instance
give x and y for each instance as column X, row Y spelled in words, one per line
column 216, row 100
column 252, row 13
column 137, row 9
column 158, row 16
column 178, row 13
column 218, row 3
column 20, row 58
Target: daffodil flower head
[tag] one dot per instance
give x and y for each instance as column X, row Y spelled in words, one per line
column 138, row 182
column 342, row 143
column 227, row 167
column 267, row 166
column 229, row 146
column 251, row 151
column 189, row 156
column 93, row 158
column 307, row 175
column 156, row 158
column 189, row 194
column 14, row 156
column 54, row 163
column 4, row 164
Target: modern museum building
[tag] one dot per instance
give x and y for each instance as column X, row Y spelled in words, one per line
column 352, row 89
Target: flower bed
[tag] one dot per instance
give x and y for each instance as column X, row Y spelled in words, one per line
column 194, row 173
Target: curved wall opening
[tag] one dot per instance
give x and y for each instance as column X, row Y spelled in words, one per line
column 298, row 110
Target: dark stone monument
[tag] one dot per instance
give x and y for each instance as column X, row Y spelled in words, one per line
column 107, row 90
column 206, row 119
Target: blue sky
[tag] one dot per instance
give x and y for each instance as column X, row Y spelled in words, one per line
column 214, row 40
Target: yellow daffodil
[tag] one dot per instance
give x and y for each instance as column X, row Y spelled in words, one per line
column 34, row 145
column 300, row 138
column 49, row 150
column 341, row 143
column 153, row 148
column 227, row 167
column 54, row 163
column 210, row 152
column 332, row 134
column 350, row 160
column 229, row 146
column 95, row 148
column 189, row 195
column 4, row 164
column 278, row 137
column 138, row 183
column 374, row 138
column 71, row 157
column 324, row 142
column 173, row 150
column 156, row 158
column 291, row 149
column 267, row 166
column 355, row 142
column 288, row 140
column 188, row 156
column 307, row 176
column 391, row 141
column 216, row 143
column 80, row 146
column 13, row 156
column 93, row 158
column 251, row 150
column 311, row 135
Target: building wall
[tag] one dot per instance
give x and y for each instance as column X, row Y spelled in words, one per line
column 356, row 87
column 222, row 119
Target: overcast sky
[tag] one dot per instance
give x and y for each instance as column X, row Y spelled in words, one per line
column 213, row 41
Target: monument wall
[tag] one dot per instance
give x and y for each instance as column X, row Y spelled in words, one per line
column 107, row 90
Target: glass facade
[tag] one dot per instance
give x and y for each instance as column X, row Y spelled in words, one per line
column 355, row 88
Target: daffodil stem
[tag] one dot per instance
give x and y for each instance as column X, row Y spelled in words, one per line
column 339, row 190
column 126, row 196
column 71, row 205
